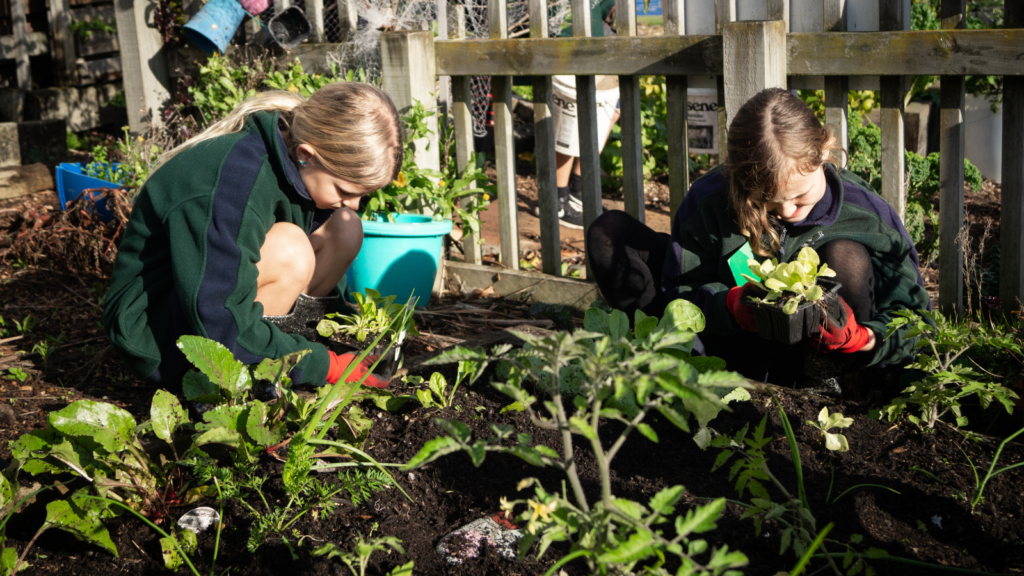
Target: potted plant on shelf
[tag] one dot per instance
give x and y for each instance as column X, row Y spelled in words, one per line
column 374, row 315
column 402, row 251
column 797, row 293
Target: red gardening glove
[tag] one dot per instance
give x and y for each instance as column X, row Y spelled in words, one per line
column 840, row 331
column 254, row 7
column 340, row 362
column 740, row 310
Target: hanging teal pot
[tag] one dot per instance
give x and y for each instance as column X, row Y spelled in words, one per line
column 400, row 257
column 213, row 27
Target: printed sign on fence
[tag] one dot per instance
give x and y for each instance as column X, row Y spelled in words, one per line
column 702, row 119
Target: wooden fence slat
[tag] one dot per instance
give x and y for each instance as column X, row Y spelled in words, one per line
column 779, row 10
column 544, row 153
column 143, row 66
column 348, row 19
column 315, row 15
column 443, row 95
column 586, row 118
column 837, row 88
column 725, row 12
column 280, row 5
column 754, row 59
column 35, row 41
column 891, row 117
column 63, row 40
column 504, row 144
column 408, row 76
column 1011, row 226
column 24, row 68
column 675, row 113
column 629, row 120
column 462, row 115
column 951, row 176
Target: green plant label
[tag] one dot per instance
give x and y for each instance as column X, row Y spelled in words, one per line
column 738, row 263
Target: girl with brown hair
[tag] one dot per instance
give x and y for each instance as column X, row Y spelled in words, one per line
column 245, row 232
column 780, row 189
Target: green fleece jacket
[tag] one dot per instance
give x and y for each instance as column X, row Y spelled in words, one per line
column 705, row 235
column 187, row 263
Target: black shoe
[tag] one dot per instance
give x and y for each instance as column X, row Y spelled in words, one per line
column 306, row 313
column 568, row 214
column 829, row 388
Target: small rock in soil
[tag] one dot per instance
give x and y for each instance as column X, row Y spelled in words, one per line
column 7, row 417
column 498, row 533
column 198, row 519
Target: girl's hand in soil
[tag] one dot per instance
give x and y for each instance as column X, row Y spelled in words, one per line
column 840, row 332
column 742, row 312
column 339, row 362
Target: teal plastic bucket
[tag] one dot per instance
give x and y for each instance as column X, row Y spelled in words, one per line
column 214, row 25
column 400, row 257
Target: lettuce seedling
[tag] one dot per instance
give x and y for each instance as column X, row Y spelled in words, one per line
column 826, row 421
column 797, row 281
column 374, row 315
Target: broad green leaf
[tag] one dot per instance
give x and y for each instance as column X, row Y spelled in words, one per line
column 705, row 363
column 836, row 442
column 6, row 494
column 596, row 320
column 256, row 425
column 81, row 517
column 219, row 435
column 438, row 385
column 431, row 451
column 403, row 570
column 111, row 427
column 682, row 315
column 65, row 453
column 701, row 519
column 835, row 420
column 8, row 559
column 477, row 452
column 457, row 429
column 634, row 510
column 665, row 500
column 426, row 398
column 813, row 293
column 582, row 427
column 790, row 306
column 703, row 438
column 647, row 431
column 186, row 539
column 703, row 410
column 198, row 388
column 217, row 362
column 644, row 327
column 737, row 394
column 618, row 326
column 808, row 256
column 272, row 368
column 167, row 415
column 31, row 449
column 230, row 417
column 637, row 547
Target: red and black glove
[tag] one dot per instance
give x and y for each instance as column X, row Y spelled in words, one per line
column 840, row 331
column 740, row 310
column 339, row 362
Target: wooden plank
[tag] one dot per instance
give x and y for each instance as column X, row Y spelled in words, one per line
column 630, row 122
column 544, row 153
column 103, row 70
column 779, row 10
column 348, row 19
column 315, row 15
column 645, row 55
column 677, row 129
column 143, row 66
column 754, row 59
column 725, row 12
column 497, row 19
column 1011, row 223
column 674, row 17
column 582, row 25
column 837, row 88
column 462, row 115
column 98, row 42
column 891, row 118
column 586, row 110
column 36, row 42
column 63, row 42
column 443, row 93
column 575, row 294
column 917, row 52
column 951, row 176
column 24, row 68
column 505, row 158
column 280, row 5
column 407, row 76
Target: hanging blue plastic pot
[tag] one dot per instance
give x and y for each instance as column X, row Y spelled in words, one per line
column 400, row 257
column 213, row 27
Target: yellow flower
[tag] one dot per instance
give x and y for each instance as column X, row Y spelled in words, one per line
column 293, row 89
column 524, row 483
column 487, row 197
column 505, row 506
column 140, row 139
column 400, row 181
column 316, row 76
column 539, row 511
column 441, row 183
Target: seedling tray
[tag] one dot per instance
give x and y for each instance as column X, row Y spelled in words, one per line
column 774, row 324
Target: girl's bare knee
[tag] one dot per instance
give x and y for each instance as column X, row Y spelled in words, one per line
column 288, row 254
column 344, row 232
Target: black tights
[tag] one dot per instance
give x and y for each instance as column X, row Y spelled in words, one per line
column 626, row 258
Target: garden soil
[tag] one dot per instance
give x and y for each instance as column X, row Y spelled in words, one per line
column 906, row 512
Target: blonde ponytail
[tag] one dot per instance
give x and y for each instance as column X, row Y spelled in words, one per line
column 274, row 100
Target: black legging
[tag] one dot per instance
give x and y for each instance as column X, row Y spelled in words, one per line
column 626, row 258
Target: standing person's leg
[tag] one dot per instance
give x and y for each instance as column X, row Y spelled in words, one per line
column 626, row 258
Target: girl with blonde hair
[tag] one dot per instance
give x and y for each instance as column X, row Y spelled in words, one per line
column 244, row 233
column 780, row 189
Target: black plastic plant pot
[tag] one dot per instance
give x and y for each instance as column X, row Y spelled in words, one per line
column 774, row 324
column 390, row 360
column 288, row 29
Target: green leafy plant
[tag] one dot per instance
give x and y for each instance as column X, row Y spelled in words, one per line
column 436, row 394
column 375, row 314
column 362, row 484
column 792, row 282
column 18, row 374
column 922, row 196
column 946, row 378
column 610, row 534
column 358, row 559
column 84, row 28
column 979, row 489
column 102, row 445
column 833, row 441
column 137, row 160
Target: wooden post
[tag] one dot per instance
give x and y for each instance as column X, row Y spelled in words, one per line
column 504, row 144
column 443, row 97
column 544, row 153
column 951, row 175
column 890, row 17
column 348, row 19
column 315, row 15
column 754, row 58
column 675, row 113
column 1011, row 226
column 837, row 88
column 142, row 64
column 586, row 108
column 725, row 12
column 407, row 61
column 24, row 68
column 779, row 10
column 280, row 5
column 462, row 114
column 62, row 41
column 632, row 128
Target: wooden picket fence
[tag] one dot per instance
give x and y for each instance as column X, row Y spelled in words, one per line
column 745, row 57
